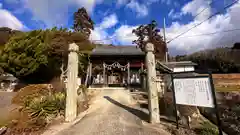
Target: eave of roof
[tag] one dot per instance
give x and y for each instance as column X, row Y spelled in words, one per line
column 179, row 63
column 116, row 50
column 162, row 67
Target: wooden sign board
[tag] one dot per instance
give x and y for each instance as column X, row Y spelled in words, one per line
column 193, row 91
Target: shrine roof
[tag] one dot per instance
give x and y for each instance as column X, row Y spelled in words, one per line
column 179, row 63
column 116, row 50
column 167, row 66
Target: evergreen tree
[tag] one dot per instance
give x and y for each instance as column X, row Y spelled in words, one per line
column 150, row 34
column 39, row 54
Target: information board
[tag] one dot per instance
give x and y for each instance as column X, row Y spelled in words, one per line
column 193, row 91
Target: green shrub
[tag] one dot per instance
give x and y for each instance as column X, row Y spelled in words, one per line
column 43, row 109
column 206, row 129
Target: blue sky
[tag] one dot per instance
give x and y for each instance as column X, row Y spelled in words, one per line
column 115, row 19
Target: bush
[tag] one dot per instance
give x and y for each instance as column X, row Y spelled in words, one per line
column 206, row 129
column 43, row 109
column 31, row 91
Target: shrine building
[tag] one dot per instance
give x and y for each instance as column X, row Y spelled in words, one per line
column 116, row 66
column 121, row 66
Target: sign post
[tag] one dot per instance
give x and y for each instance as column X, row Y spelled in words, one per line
column 216, row 106
column 174, row 102
column 195, row 91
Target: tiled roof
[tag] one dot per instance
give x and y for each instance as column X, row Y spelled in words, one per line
column 117, row 50
column 160, row 66
column 167, row 66
column 179, row 63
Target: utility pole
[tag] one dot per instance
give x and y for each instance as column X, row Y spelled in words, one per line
column 164, row 38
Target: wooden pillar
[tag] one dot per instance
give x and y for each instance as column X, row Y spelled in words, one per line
column 142, row 66
column 87, row 75
column 153, row 104
column 90, row 70
column 72, row 85
column 90, row 74
column 104, row 72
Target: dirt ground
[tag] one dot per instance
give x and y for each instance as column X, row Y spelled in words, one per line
column 6, row 106
column 114, row 112
column 168, row 121
column 9, row 112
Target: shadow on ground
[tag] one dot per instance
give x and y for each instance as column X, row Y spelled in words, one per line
column 140, row 114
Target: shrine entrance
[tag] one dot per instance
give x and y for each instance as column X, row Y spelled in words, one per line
column 116, row 75
column 116, row 66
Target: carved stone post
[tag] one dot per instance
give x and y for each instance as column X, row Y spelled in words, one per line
column 153, row 104
column 128, row 77
column 72, row 85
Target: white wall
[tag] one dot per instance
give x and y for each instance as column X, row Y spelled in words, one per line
column 183, row 69
column 189, row 68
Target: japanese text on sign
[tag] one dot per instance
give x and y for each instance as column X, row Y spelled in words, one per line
column 193, row 91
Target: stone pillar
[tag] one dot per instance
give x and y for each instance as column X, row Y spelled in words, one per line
column 128, row 77
column 72, row 85
column 153, row 104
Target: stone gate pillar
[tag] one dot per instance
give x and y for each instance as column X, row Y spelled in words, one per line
column 153, row 104
column 72, row 84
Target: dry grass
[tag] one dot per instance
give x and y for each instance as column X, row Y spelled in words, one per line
column 226, row 82
column 227, row 89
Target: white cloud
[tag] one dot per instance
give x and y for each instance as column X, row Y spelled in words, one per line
column 109, row 21
column 99, row 34
column 124, row 36
column 171, row 13
column 174, row 15
column 188, row 44
column 9, row 20
column 196, row 6
column 53, row 12
column 140, row 9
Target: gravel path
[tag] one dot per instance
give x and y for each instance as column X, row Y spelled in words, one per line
column 6, row 104
column 113, row 113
